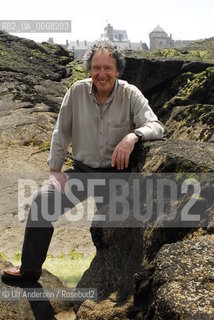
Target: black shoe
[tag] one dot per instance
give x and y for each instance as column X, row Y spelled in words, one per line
column 14, row 274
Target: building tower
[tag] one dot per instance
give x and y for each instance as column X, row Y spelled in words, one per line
column 108, row 32
column 159, row 39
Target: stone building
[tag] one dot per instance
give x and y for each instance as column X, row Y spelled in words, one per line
column 118, row 37
column 159, row 40
column 79, row 48
column 114, row 35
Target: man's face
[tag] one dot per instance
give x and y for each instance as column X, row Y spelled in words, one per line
column 103, row 72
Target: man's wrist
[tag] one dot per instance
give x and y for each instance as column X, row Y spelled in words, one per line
column 136, row 139
column 139, row 135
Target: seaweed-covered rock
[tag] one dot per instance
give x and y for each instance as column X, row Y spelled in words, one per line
column 20, row 55
column 179, row 85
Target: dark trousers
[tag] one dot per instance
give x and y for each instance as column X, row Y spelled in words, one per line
column 39, row 229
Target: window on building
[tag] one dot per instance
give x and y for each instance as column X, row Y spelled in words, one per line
column 120, row 37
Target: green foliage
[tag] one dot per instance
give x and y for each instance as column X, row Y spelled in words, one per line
column 204, row 54
column 167, row 107
column 197, row 51
column 79, row 71
column 68, row 159
column 3, row 256
column 74, row 255
column 69, row 268
column 43, row 145
column 17, row 256
column 195, row 83
column 170, row 53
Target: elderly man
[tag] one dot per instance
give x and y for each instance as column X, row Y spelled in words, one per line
column 104, row 118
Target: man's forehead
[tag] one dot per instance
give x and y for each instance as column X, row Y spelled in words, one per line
column 103, row 55
column 105, row 52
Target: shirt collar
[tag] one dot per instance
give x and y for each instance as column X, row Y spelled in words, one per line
column 92, row 90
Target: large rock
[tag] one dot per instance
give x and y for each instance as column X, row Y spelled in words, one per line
column 182, row 285
column 178, row 84
column 25, row 56
column 129, row 250
column 30, row 88
column 171, row 155
column 154, row 71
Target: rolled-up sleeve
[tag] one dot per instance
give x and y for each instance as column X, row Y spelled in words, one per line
column 61, row 136
column 144, row 118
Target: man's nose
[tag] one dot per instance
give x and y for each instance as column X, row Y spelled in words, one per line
column 102, row 72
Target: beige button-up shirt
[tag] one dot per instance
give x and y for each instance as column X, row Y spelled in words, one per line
column 93, row 129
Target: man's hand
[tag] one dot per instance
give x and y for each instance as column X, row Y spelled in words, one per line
column 123, row 150
column 58, row 180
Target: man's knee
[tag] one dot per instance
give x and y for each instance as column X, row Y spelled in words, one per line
column 45, row 205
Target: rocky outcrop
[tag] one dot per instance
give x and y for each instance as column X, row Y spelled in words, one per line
column 177, row 285
column 176, row 293
column 131, row 253
column 171, row 155
column 33, row 80
column 173, row 280
column 151, row 76
column 179, row 86
column 158, row 272
column 181, row 285
column 31, row 88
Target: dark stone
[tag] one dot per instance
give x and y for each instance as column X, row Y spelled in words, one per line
column 150, row 74
column 186, row 294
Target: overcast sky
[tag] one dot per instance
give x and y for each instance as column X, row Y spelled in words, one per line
column 184, row 19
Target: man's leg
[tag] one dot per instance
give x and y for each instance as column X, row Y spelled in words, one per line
column 39, row 230
column 47, row 205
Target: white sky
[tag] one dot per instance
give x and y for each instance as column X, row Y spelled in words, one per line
column 184, row 19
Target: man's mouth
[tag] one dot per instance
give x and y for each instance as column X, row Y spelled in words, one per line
column 102, row 81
